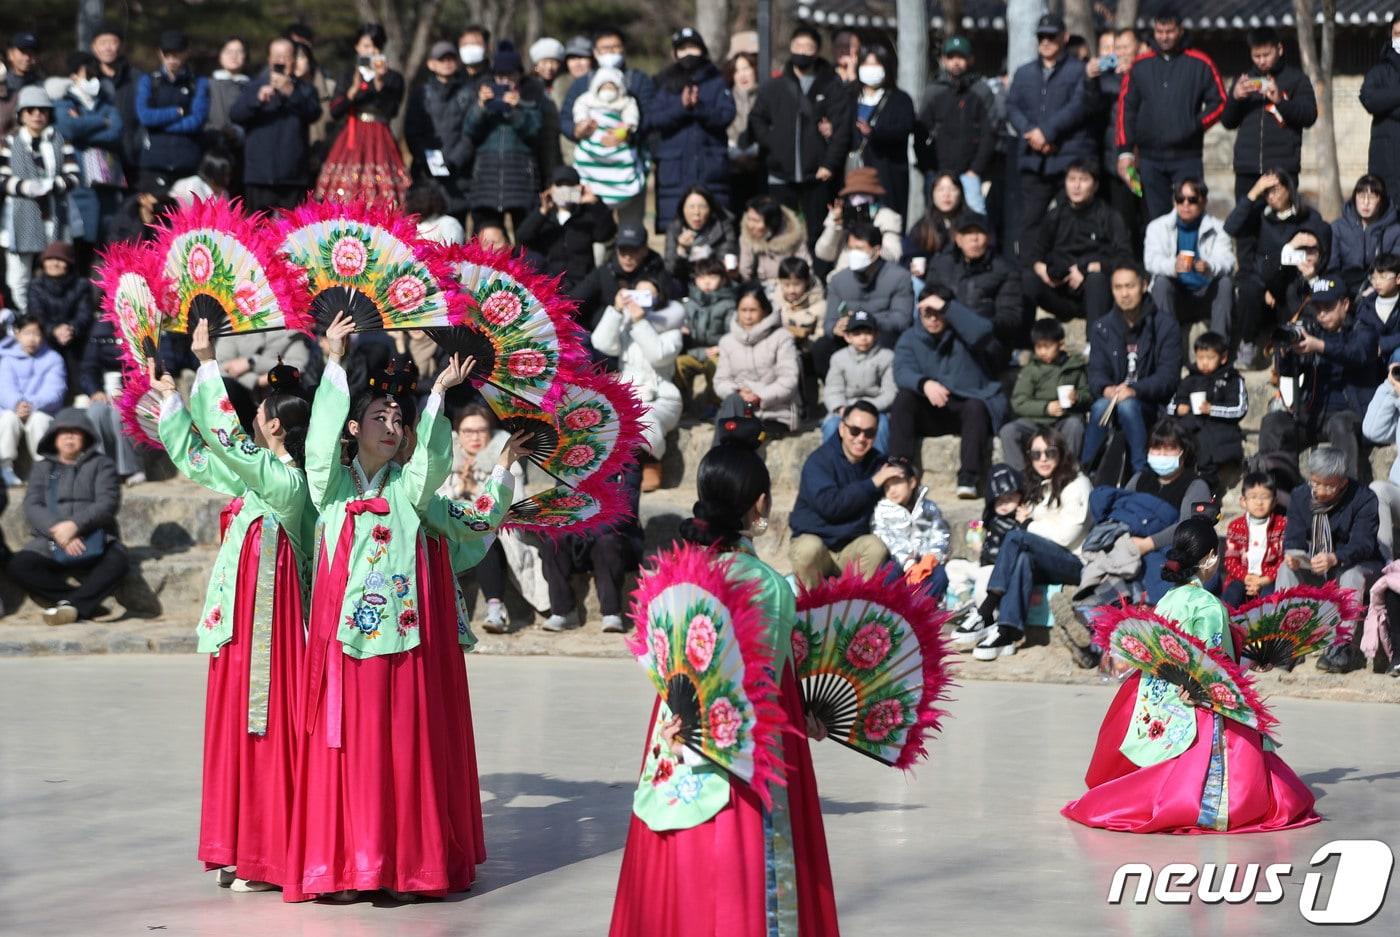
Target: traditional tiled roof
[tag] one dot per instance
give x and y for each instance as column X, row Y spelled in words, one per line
column 990, row 15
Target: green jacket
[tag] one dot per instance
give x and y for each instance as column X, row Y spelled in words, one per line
column 1036, row 388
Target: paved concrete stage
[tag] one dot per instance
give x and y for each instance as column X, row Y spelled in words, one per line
column 99, row 803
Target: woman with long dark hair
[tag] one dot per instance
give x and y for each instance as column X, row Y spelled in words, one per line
column 933, row 233
column 1056, row 514
column 747, row 177
column 884, row 119
column 761, row 866
column 364, row 165
column 1164, row 765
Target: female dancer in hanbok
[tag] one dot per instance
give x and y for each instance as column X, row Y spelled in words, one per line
column 1164, row 766
column 252, row 625
column 381, row 801
column 715, row 862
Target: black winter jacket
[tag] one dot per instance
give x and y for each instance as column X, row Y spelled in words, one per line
column 1056, row 103
column 102, row 354
column 691, row 143
column 1260, row 235
column 1168, row 103
column 433, row 121
column 66, row 300
column 1380, row 95
column 567, row 249
column 954, row 131
column 1263, row 143
column 1080, row 235
column 887, row 148
column 990, row 287
column 784, row 122
column 275, row 143
column 1155, row 357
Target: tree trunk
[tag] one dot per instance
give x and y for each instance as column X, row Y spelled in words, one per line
column 534, row 22
column 1021, row 17
column 1126, row 15
column 90, row 16
column 952, row 17
column 712, row 22
column 912, row 17
column 1319, row 72
column 1079, row 19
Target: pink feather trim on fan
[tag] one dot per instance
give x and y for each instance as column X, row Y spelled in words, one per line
column 710, row 571
column 257, row 235
column 924, row 617
column 621, row 396
column 573, row 354
column 1348, row 606
column 136, row 385
column 614, row 508
column 115, row 261
column 1108, row 618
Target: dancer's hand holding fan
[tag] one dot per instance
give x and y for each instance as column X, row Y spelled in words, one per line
column 223, row 265
column 700, row 637
column 563, row 510
column 516, row 324
column 1157, row 647
column 1279, row 629
column 872, row 663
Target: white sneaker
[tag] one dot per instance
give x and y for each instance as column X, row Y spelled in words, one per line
column 972, row 630
column 136, row 478
column 60, row 614
column 497, row 622
column 967, row 493
column 999, row 642
column 226, row 876
column 613, row 624
column 561, row 622
column 245, row 886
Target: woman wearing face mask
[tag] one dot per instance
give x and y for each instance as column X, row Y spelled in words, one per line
column 1171, row 476
column 884, row 119
column 364, row 165
column 87, row 118
column 860, row 201
column 690, row 115
column 702, row 228
column 1165, row 765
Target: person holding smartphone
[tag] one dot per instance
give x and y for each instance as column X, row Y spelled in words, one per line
column 364, row 165
column 1270, row 105
column 275, row 111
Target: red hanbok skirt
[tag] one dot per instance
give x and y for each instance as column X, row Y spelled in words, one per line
column 364, row 166
column 248, row 779
column 397, row 805
column 1262, row 792
column 710, row 880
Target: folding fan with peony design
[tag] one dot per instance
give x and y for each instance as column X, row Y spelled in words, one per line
column 140, row 409
column 370, row 264
column 1289, row 625
column 130, row 281
column 518, row 327
column 222, row 265
column 563, row 510
column 700, row 637
column 593, row 432
column 871, row 659
column 1159, row 648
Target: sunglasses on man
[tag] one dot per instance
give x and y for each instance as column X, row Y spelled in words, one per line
column 860, row 431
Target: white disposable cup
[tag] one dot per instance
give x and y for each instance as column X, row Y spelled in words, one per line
column 1197, row 398
column 731, row 261
column 1064, row 392
column 1285, row 390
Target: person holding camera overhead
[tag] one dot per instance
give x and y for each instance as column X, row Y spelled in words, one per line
column 276, row 111
column 1329, row 374
column 364, row 165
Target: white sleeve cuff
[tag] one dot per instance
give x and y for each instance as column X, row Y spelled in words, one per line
column 500, row 475
column 208, row 371
column 335, row 373
column 434, row 405
column 169, row 405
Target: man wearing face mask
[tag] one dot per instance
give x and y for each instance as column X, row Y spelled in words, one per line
column 690, row 116
column 432, row 127
column 1333, row 370
column 88, row 118
column 609, row 51
column 571, row 219
column 472, row 48
column 883, row 289
column 788, row 120
column 1380, row 95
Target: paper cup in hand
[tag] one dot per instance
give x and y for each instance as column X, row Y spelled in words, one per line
column 1197, row 398
column 731, row 261
column 1285, row 390
column 1065, row 392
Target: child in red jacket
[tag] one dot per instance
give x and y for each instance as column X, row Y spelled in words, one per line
column 1254, row 542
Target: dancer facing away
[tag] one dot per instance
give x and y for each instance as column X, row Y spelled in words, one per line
column 710, row 860
column 253, row 621
column 1164, row 766
column 381, row 801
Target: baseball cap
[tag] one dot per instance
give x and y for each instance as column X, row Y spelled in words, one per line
column 578, row 48
column 958, row 45
column 631, row 235
column 861, row 320
column 564, row 175
column 443, row 50
column 971, row 221
column 1326, row 291
column 1051, row 24
column 173, row 40
column 686, row 35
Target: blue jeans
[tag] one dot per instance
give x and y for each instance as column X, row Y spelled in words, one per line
column 882, row 431
column 1025, row 560
column 936, row 585
column 1131, row 415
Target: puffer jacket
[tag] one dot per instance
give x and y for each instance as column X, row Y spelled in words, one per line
column 88, row 492
column 912, row 533
column 709, row 315
column 505, row 174
column 42, row 380
column 692, row 143
column 882, row 289
column 762, row 358
column 804, row 318
column 65, row 300
column 1169, row 101
column 855, row 375
column 646, row 351
column 1355, row 247
column 758, row 260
